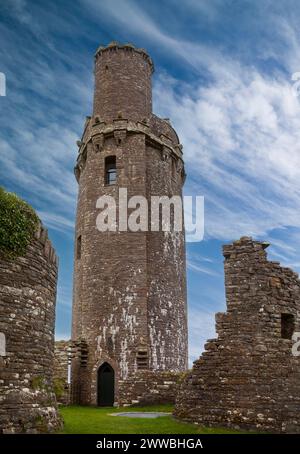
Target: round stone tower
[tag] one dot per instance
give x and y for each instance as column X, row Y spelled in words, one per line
column 122, row 83
column 129, row 304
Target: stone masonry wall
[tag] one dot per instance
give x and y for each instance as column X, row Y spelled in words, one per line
column 122, row 71
column 167, row 310
column 149, row 388
column 62, row 358
column 248, row 376
column 27, row 315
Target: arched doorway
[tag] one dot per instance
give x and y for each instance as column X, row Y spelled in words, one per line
column 106, row 386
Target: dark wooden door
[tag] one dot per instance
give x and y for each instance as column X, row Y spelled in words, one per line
column 106, row 385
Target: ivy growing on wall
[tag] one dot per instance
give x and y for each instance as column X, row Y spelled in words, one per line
column 18, row 222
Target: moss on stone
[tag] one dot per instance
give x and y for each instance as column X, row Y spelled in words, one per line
column 18, row 222
column 38, row 382
column 58, row 386
column 182, row 376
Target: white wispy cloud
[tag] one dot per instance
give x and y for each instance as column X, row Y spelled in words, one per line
column 201, row 269
column 133, row 19
column 57, row 222
column 240, row 130
column 201, row 328
column 201, row 264
column 241, row 140
column 237, row 118
column 43, row 113
column 62, row 336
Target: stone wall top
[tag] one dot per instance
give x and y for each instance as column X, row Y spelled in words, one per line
column 115, row 46
column 41, row 234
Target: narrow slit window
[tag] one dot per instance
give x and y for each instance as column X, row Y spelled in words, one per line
column 287, row 326
column 110, row 170
column 2, row 344
column 173, row 164
column 78, row 248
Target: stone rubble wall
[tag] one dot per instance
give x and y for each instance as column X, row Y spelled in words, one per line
column 62, row 357
column 248, row 376
column 27, row 316
column 149, row 388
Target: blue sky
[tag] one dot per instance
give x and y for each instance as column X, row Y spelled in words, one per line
column 223, row 77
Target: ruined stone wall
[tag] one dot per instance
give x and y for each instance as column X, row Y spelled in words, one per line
column 62, row 358
column 149, row 388
column 248, row 377
column 27, row 316
column 124, row 310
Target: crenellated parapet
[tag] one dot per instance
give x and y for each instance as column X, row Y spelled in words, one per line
column 114, row 46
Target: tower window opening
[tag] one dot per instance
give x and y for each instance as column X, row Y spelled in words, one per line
column 110, row 344
column 173, row 168
column 78, row 248
column 287, row 326
column 110, row 170
column 142, row 359
column 2, row 344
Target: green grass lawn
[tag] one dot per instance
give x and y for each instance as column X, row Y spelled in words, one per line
column 95, row 420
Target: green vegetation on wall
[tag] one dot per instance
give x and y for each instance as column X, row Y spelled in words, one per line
column 58, row 387
column 18, row 222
